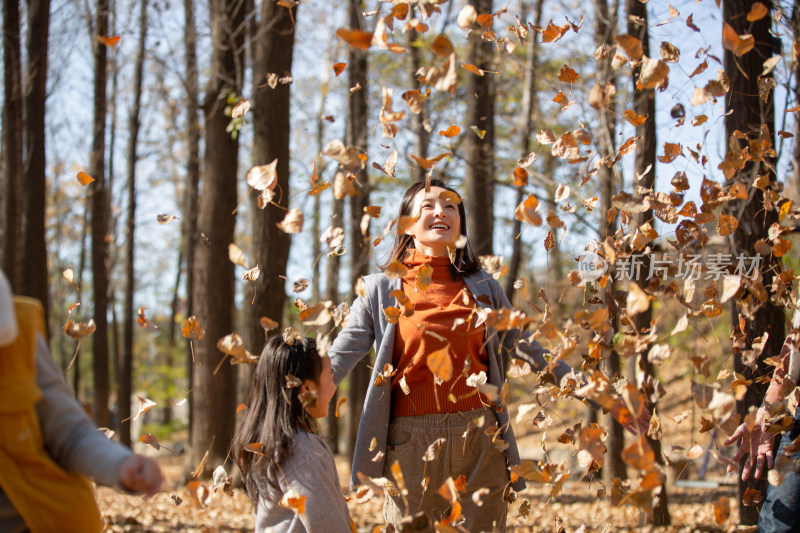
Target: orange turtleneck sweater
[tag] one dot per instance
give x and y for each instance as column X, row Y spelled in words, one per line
column 441, row 320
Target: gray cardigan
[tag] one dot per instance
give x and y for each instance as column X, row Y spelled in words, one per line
column 368, row 326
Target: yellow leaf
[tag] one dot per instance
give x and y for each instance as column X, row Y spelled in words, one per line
column 567, row 75
column 440, row 364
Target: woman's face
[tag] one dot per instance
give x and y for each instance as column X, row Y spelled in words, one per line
column 439, row 222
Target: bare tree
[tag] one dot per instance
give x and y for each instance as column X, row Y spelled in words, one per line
column 126, row 378
column 34, row 279
column 100, row 213
column 755, row 117
column 12, row 145
column 215, row 393
column 479, row 176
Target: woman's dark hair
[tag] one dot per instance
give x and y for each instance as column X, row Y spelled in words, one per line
column 274, row 410
column 465, row 260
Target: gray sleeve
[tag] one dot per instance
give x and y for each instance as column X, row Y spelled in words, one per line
column 354, row 341
column 70, row 437
column 318, row 480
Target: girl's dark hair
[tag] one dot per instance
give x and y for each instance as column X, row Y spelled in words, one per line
column 274, row 411
column 465, row 260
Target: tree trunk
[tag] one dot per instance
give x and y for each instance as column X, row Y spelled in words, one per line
column 795, row 25
column 12, row 145
column 332, row 293
column 34, row 278
column 356, row 136
column 747, row 112
column 273, row 43
column 126, row 379
column 190, row 208
column 100, row 208
column 76, row 376
column 419, row 121
column 479, row 184
column 529, row 107
column 215, row 394
column 605, row 29
column 644, row 103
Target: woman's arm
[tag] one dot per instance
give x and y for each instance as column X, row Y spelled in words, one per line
column 355, row 340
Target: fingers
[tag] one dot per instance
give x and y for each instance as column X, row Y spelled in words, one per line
column 759, row 466
column 739, row 433
column 746, row 470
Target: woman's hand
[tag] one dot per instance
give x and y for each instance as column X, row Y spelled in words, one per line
column 756, row 442
column 140, row 474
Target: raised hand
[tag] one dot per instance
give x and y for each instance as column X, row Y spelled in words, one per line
column 756, row 443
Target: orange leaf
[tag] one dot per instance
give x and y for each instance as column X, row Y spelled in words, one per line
column 355, row 38
column 726, row 225
column 192, row 329
column 294, row 502
column 631, row 45
column 561, row 99
column 520, row 177
column 84, row 178
column 472, row 68
column 636, row 120
column 442, row 46
column 110, row 41
column 757, row 12
column 738, row 44
column 241, row 407
column 440, row 363
column 485, row 21
column 567, row 75
column 653, row 75
column 450, row 132
column 671, row 152
column 527, row 212
column 427, row 164
column 552, row 33
column 338, row 68
column 149, row 438
column 639, row 455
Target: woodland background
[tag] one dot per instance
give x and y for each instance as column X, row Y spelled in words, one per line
column 198, row 175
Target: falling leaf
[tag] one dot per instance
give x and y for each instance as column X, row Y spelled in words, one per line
column 632, row 46
column 567, row 75
column 440, row 364
column 338, row 68
column 294, row 502
column 253, row 274
column 738, row 44
column 144, row 406
column 166, row 219
column 639, row 455
column 527, row 211
column 670, row 53
column 442, row 46
column 263, row 178
column 79, row 330
column 151, row 440
column 727, row 224
column 450, row 132
column 84, row 178
column 466, row 17
column 722, row 509
column 637, row 300
column 520, row 177
column 236, row 255
column 653, row 75
column 192, row 329
column 317, row 315
column 268, row 324
column 694, row 452
column 69, row 275
column 240, row 109
column 428, row 164
column 355, row 38
column 478, row 132
column 109, row 41
column 757, row 12
column 634, row 119
column 553, row 33
column 292, row 222
column 545, row 136
column 143, row 321
column 671, row 152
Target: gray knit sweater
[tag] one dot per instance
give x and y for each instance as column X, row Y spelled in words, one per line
column 309, row 471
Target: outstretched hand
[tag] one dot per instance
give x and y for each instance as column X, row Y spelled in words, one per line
column 756, row 443
column 140, row 474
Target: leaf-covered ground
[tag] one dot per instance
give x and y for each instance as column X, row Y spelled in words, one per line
column 577, row 507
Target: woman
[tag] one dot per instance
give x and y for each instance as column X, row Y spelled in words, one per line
column 414, row 413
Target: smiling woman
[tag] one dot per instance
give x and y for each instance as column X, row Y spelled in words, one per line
column 428, row 421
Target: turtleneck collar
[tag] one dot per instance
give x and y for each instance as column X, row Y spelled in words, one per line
column 415, row 258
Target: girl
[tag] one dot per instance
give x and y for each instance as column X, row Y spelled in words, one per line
column 288, row 470
column 414, row 414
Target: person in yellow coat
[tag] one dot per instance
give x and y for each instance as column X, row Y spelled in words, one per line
column 47, row 442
